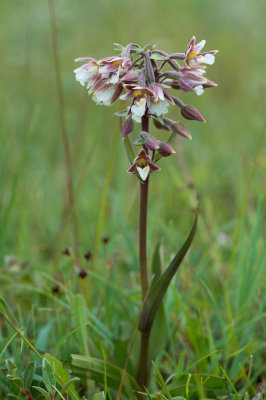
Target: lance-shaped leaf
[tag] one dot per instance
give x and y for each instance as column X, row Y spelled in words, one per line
column 99, row 370
column 156, row 293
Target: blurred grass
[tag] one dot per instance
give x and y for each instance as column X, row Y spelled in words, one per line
column 219, row 160
column 219, row 157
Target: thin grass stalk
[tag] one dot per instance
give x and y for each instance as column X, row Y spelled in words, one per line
column 64, row 137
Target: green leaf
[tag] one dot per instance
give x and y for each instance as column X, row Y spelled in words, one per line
column 139, row 142
column 96, row 369
column 48, row 375
column 129, row 150
column 99, row 396
column 156, row 265
column 213, row 386
column 5, row 343
column 121, row 113
column 158, row 57
column 157, row 291
column 149, row 46
column 67, row 385
column 12, row 368
column 62, row 377
column 43, row 392
column 80, row 321
column 159, row 333
column 17, row 382
column 29, row 374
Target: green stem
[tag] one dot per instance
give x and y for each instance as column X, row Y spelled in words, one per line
column 145, row 337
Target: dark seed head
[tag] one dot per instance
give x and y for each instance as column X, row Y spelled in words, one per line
column 105, row 239
column 88, row 255
column 83, row 273
column 66, row 251
column 55, row 289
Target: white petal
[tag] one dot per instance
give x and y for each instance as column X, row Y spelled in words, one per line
column 159, row 108
column 104, row 69
column 144, row 172
column 103, row 97
column 198, row 71
column 199, row 46
column 86, row 74
column 138, row 108
column 114, row 79
column 206, row 59
column 136, row 118
column 199, row 89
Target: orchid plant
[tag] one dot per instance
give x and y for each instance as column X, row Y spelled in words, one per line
column 146, row 77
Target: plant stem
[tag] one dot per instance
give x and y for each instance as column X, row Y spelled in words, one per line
column 144, row 190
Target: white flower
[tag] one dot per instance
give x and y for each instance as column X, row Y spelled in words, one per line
column 138, row 109
column 158, row 108
column 87, row 73
column 104, row 96
column 144, row 172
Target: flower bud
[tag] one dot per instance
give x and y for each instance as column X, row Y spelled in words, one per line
column 209, row 84
column 191, row 113
column 165, row 149
column 178, row 128
column 149, row 70
column 149, row 141
column 159, row 125
column 178, row 102
column 127, row 126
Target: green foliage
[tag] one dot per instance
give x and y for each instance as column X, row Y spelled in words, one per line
column 213, row 315
column 156, row 293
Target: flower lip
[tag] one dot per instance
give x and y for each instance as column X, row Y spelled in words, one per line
column 143, row 166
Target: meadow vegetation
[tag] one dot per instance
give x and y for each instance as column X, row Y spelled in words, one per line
column 69, row 274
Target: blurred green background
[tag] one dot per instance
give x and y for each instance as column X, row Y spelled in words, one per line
column 218, row 160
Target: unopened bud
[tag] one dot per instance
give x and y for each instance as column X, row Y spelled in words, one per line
column 127, row 126
column 178, row 102
column 178, row 128
column 149, row 69
column 191, row 113
column 149, row 141
column 165, row 149
column 209, row 84
column 160, row 126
